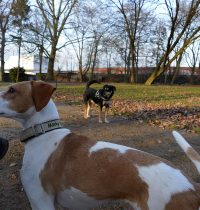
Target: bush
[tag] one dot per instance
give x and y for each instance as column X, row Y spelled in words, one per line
column 13, row 74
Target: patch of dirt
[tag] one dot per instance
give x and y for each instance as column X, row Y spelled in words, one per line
column 120, row 130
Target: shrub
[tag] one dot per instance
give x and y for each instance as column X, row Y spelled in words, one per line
column 13, row 74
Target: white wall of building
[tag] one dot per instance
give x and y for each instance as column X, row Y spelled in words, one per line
column 29, row 62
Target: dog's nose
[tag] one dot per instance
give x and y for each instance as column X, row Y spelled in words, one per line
column 3, row 147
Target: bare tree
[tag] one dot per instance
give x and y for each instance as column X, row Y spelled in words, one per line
column 5, row 14
column 20, row 13
column 192, row 58
column 56, row 14
column 176, row 34
column 117, row 51
column 132, row 12
column 89, row 27
column 157, row 41
column 36, row 38
column 80, row 33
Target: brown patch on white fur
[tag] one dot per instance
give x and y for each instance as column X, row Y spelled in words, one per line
column 189, row 200
column 104, row 174
column 19, row 97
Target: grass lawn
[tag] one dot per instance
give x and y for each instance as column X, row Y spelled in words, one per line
column 169, row 107
column 174, row 107
column 141, row 93
column 189, row 95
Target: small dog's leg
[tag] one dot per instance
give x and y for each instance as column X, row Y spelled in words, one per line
column 100, row 114
column 85, row 110
column 88, row 109
column 106, row 114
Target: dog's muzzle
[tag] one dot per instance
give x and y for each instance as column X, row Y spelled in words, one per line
column 3, row 147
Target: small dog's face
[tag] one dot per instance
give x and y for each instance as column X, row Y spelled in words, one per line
column 109, row 90
column 16, row 100
column 24, row 98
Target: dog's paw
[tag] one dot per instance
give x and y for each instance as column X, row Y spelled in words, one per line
column 100, row 121
column 106, row 121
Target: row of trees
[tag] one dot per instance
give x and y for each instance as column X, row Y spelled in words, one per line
column 118, row 31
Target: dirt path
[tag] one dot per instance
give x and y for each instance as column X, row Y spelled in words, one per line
column 119, row 130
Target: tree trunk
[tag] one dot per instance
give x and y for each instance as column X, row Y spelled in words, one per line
column 177, row 69
column 40, row 61
column 94, row 60
column 80, row 66
column 50, row 71
column 19, row 58
column 128, row 70
column 154, row 75
column 132, row 70
column 192, row 74
column 3, row 40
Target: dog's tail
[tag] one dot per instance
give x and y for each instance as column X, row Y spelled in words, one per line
column 91, row 82
column 190, row 152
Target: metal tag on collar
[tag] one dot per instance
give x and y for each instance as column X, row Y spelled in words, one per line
column 97, row 94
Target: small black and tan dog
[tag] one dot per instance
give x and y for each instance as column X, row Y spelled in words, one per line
column 100, row 97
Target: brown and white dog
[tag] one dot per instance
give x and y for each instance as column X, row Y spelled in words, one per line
column 65, row 170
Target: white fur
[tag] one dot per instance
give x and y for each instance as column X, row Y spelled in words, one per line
column 75, row 199
column 37, row 151
column 185, row 147
column 4, row 110
column 36, row 155
column 181, row 141
column 197, row 164
column 134, row 205
column 163, row 181
column 106, row 145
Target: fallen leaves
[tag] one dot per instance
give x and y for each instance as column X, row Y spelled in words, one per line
column 67, row 98
column 173, row 116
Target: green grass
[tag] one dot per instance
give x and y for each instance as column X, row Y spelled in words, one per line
column 142, row 93
column 172, row 107
column 197, row 130
column 155, row 94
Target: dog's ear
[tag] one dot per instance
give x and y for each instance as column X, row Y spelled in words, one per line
column 114, row 88
column 41, row 94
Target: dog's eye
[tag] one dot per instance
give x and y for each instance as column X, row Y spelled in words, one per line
column 11, row 90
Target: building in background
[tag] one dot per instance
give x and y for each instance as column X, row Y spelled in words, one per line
column 29, row 62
